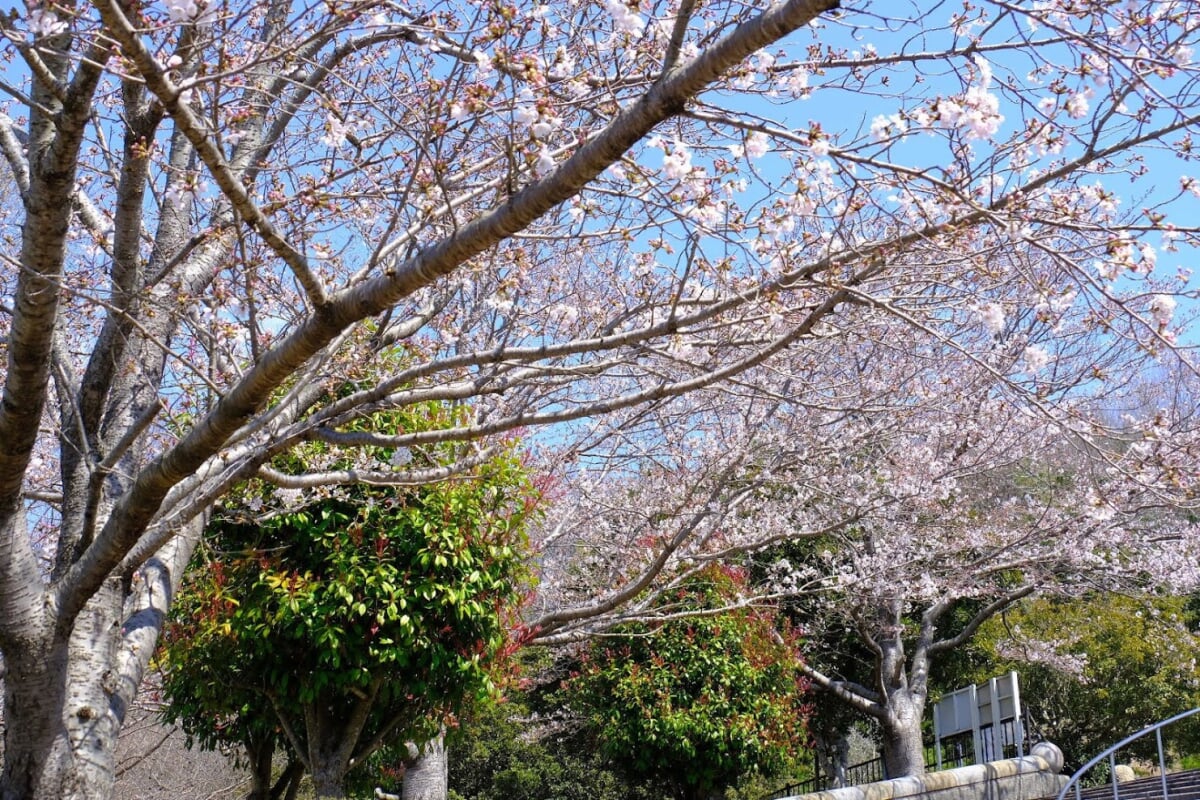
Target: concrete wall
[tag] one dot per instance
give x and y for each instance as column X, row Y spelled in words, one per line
column 1028, row 778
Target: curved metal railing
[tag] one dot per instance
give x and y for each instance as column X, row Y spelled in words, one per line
column 1111, row 754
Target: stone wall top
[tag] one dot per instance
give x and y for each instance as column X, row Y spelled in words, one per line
column 1033, row 776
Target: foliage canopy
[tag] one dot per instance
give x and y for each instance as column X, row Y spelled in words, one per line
column 351, row 619
column 698, row 702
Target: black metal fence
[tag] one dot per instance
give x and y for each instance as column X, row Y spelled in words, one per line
column 869, row 771
column 957, row 751
column 1009, row 731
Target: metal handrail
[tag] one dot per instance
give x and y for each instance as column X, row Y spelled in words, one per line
column 1111, row 753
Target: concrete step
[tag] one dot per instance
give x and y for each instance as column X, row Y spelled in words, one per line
column 1180, row 786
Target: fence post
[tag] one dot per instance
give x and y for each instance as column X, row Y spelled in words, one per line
column 1162, row 761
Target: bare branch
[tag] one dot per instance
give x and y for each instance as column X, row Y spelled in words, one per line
column 407, row 477
column 187, row 122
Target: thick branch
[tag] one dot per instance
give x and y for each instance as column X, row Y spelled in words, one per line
column 22, row 600
column 857, row 695
column 53, row 162
column 408, row 477
column 678, row 34
column 986, row 613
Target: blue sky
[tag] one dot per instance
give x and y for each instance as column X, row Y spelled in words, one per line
column 852, row 109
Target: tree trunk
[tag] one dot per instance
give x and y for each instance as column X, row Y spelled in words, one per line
column 36, row 748
column 289, row 782
column 327, row 782
column 261, row 756
column 64, row 709
column 903, row 749
column 833, row 755
column 427, row 776
column 67, row 692
column 326, row 765
column 330, row 745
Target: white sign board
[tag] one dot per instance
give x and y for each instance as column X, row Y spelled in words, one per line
column 983, row 710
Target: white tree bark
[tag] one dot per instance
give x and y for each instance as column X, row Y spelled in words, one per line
column 427, row 772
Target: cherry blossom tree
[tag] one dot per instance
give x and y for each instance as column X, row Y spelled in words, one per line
column 912, row 584
column 245, row 225
column 897, row 527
